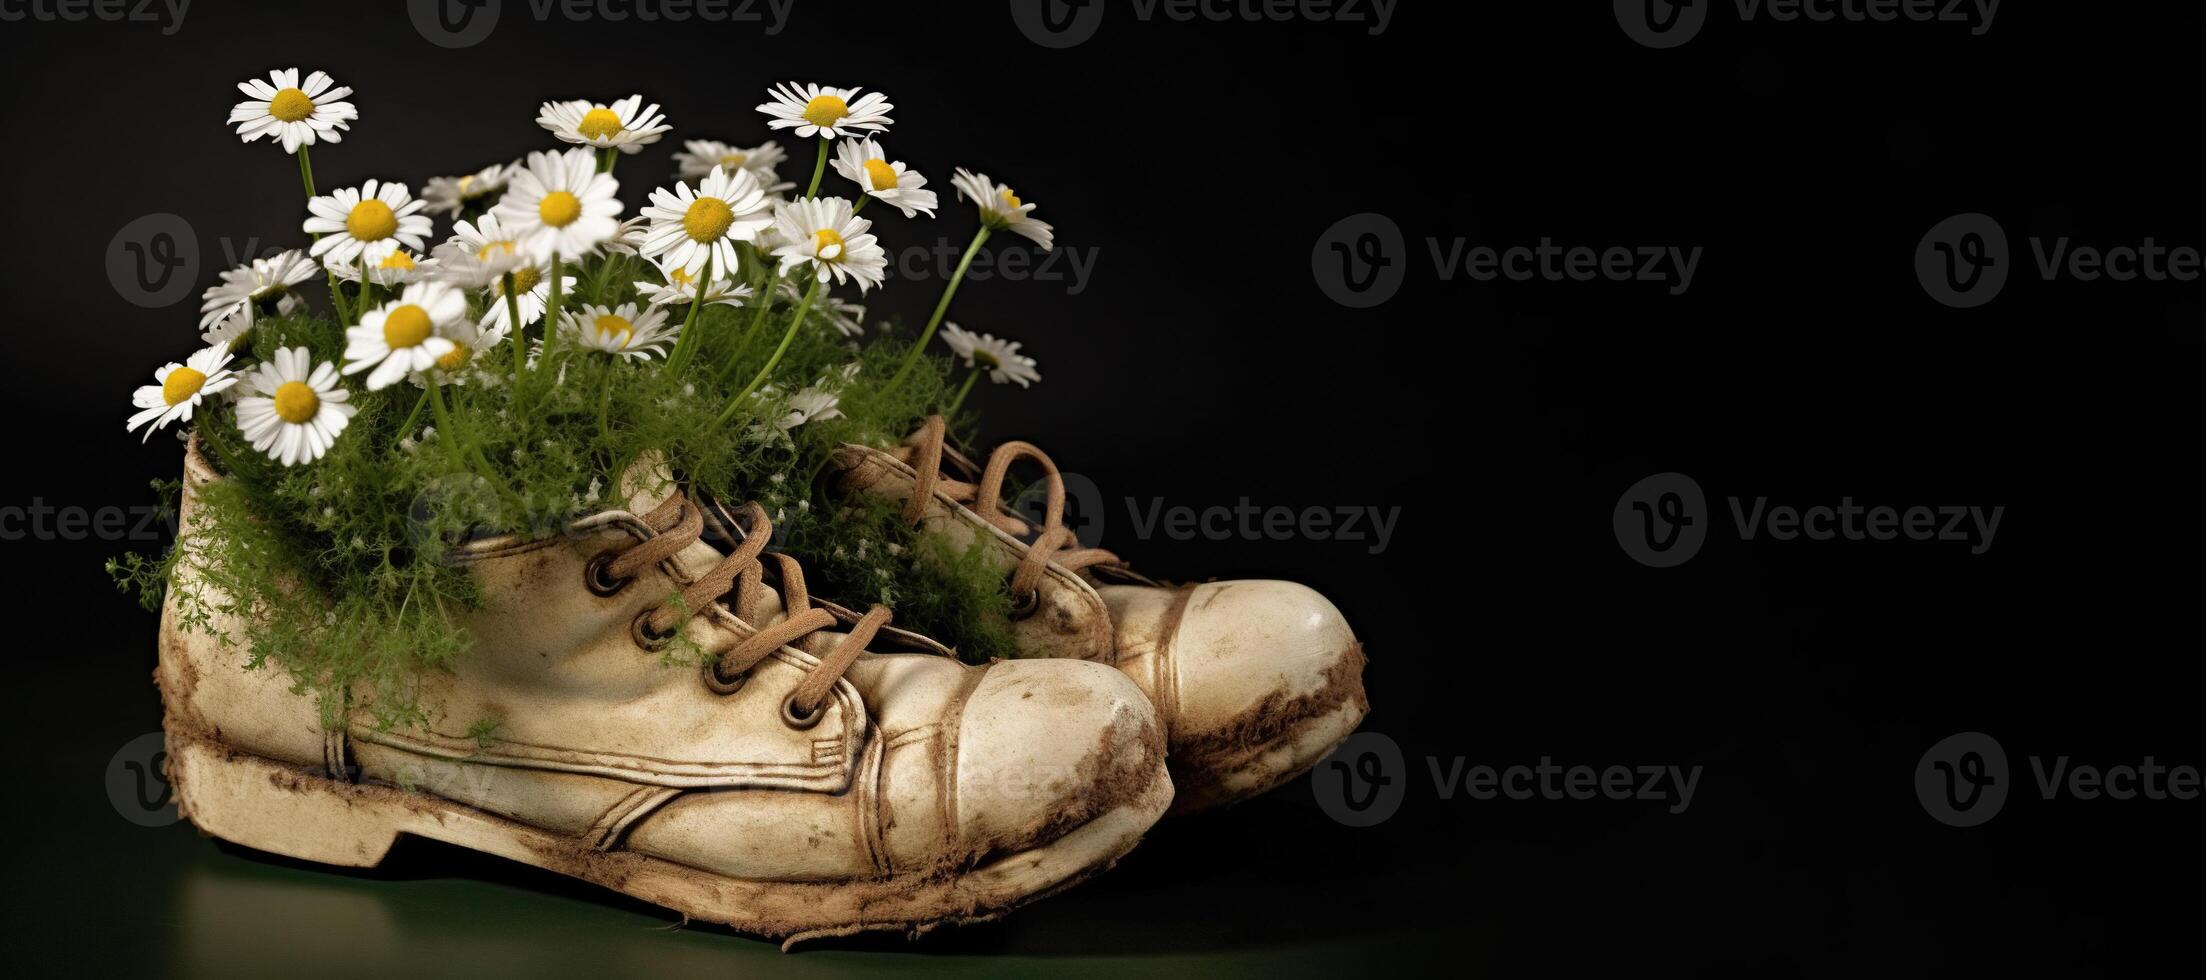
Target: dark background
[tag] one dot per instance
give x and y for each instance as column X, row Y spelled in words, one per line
column 1200, row 162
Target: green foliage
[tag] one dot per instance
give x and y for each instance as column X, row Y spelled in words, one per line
column 336, row 571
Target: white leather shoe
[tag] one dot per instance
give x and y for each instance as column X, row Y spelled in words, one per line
column 1256, row 680
column 795, row 786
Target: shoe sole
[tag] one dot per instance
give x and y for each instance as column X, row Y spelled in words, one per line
column 298, row 813
column 1223, row 779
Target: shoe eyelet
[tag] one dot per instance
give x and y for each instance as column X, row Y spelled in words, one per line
column 598, row 580
column 720, row 685
column 1026, row 605
column 650, row 639
column 800, row 722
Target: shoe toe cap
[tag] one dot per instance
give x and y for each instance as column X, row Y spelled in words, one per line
column 1045, row 746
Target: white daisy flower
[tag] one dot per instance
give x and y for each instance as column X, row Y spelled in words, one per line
column 849, row 319
column 291, row 112
column 532, row 292
column 1000, row 357
column 810, row 405
column 461, row 364
column 822, row 231
column 560, row 203
column 295, row 408
column 698, row 157
column 177, row 389
column 865, row 163
column 244, row 288
column 370, row 221
column 621, row 331
column 403, row 336
column 627, row 237
column 621, row 125
column 1000, row 208
column 479, row 253
column 680, row 288
column 397, row 269
column 690, row 228
column 452, row 195
column 819, row 110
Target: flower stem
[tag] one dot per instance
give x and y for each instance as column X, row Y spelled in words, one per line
column 406, row 428
column 686, row 344
column 940, row 308
column 861, row 205
column 306, row 180
column 513, row 310
column 606, row 158
column 962, row 391
column 819, row 167
column 605, row 404
column 551, row 313
column 803, row 306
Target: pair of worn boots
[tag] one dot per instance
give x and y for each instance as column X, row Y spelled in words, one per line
column 824, row 772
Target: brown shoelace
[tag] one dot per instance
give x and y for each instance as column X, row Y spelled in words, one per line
column 680, row 523
column 1053, row 541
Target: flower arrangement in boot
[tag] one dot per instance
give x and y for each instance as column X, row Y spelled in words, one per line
column 443, row 565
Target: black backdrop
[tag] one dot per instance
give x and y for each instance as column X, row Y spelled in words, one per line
column 1201, row 361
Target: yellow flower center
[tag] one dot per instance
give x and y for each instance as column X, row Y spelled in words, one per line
column 614, row 330
column 525, row 278
column 824, row 239
column 291, row 105
column 371, row 220
column 397, row 260
column 881, row 174
column 407, row 326
column 708, row 219
column 679, row 277
column 455, row 359
column 825, row 110
column 297, row 403
column 734, row 160
column 1011, row 201
column 600, row 124
column 181, row 384
column 484, row 253
column 559, row 209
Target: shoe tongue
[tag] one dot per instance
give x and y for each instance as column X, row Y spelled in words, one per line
column 648, row 483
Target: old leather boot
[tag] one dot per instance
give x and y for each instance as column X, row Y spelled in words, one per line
column 1256, row 680
column 794, row 786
